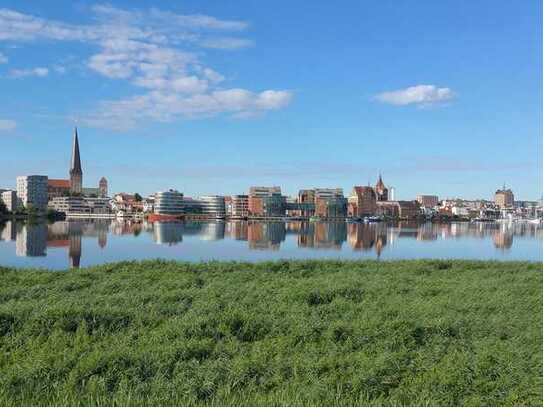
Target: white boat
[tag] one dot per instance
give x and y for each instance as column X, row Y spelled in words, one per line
column 536, row 221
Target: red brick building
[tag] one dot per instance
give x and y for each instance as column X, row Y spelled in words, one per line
column 58, row 187
column 362, row 202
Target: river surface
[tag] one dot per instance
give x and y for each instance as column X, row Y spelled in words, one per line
column 67, row 244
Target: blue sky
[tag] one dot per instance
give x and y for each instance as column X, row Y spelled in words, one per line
column 216, row 96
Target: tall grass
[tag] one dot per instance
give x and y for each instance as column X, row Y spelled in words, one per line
column 279, row 333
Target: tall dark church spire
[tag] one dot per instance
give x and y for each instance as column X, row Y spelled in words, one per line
column 76, row 173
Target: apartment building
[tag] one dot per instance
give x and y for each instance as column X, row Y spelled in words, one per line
column 266, row 202
column 32, row 191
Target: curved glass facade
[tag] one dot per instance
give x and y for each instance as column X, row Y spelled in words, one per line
column 213, row 206
column 169, row 203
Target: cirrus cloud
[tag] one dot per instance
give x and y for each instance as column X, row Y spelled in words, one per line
column 421, row 95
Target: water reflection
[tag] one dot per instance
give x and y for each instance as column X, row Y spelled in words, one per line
column 35, row 239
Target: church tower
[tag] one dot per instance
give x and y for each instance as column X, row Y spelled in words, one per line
column 102, row 186
column 76, row 173
column 381, row 190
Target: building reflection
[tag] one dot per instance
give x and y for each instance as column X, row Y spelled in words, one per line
column 366, row 237
column 503, row 239
column 265, row 235
column 237, row 230
column 8, row 231
column 36, row 239
column 212, row 231
column 31, row 240
column 169, row 233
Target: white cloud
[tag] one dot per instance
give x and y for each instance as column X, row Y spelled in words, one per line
column 3, row 59
column 18, row 26
column 22, row 73
column 7, row 125
column 422, row 95
column 226, row 43
column 166, row 19
column 61, row 70
column 156, row 52
column 212, row 75
column 166, row 107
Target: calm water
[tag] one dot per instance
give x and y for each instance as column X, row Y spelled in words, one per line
column 82, row 243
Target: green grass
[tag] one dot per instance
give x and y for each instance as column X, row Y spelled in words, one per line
column 275, row 334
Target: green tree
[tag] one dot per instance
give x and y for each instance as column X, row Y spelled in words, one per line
column 3, row 208
column 31, row 211
column 138, row 197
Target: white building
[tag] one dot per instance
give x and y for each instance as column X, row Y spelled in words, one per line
column 32, row 190
column 77, row 205
column 391, row 194
column 10, row 200
column 239, row 206
column 213, row 206
column 169, row 203
column 149, row 204
column 460, row 211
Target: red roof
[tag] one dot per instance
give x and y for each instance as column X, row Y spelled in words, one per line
column 59, row 183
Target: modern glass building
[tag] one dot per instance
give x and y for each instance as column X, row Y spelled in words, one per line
column 32, row 190
column 169, row 203
column 213, row 206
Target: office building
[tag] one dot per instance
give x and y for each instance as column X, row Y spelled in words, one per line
column 428, row 201
column 32, row 191
column 169, row 203
column 79, row 205
column 330, row 203
column 266, row 202
column 306, row 203
column 504, row 198
column 238, row 206
column 212, row 206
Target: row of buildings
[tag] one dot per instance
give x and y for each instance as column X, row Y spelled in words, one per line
column 269, row 202
column 331, row 203
column 72, row 198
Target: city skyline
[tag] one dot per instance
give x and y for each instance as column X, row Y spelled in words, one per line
column 435, row 109
column 59, row 187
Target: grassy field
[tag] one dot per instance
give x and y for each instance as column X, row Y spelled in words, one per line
column 274, row 334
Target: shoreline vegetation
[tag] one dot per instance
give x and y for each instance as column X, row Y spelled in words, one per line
column 428, row 332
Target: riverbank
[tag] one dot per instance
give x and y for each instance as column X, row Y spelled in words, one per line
column 276, row 333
